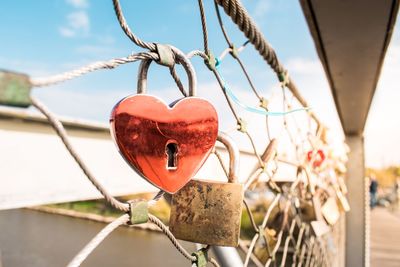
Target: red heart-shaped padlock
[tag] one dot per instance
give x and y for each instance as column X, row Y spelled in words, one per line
column 166, row 145
column 318, row 158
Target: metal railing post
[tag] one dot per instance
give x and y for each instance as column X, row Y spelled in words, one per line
column 227, row 256
column 357, row 220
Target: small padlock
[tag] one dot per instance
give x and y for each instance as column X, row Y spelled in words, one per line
column 265, row 245
column 316, row 157
column 330, row 211
column 310, row 210
column 344, row 203
column 320, row 228
column 165, row 144
column 209, row 212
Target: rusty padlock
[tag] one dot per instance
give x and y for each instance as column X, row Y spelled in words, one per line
column 209, row 212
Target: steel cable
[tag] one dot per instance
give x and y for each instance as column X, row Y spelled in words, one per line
column 110, row 64
column 127, row 30
column 59, row 129
column 85, row 252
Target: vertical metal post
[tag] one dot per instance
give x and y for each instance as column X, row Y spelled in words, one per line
column 227, row 256
column 357, row 220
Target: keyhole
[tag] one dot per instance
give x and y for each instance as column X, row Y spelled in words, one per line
column 171, row 151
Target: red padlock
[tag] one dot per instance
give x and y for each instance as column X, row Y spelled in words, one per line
column 165, row 144
column 318, row 158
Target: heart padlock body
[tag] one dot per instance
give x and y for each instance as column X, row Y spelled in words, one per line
column 144, row 127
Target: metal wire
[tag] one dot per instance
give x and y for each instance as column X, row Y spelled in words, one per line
column 59, row 128
column 235, row 53
column 127, row 30
column 171, row 237
column 245, row 23
column 204, row 27
column 85, row 252
column 110, row 64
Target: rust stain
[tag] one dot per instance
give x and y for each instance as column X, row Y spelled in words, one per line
column 208, row 213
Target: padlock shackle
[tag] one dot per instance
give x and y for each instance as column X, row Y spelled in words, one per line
column 234, row 155
column 180, row 58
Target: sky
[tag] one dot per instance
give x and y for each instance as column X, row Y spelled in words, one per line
column 41, row 38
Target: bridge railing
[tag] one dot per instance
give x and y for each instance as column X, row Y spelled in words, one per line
column 294, row 190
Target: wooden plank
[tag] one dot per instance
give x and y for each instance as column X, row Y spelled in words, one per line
column 385, row 237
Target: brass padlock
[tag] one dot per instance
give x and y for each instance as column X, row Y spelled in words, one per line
column 311, row 210
column 264, row 246
column 209, row 212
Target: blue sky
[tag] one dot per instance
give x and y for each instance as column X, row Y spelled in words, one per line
column 46, row 37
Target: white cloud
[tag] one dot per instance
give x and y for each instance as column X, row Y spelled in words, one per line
column 310, row 78
column 102, row 45
column 382, row 131
column 67, row 32
column 79, row 20
column 32, row 68
column 383, row 126
column 95, row 49
column 78, row 23
column 78, row 3
column 74, row 103
column 304, row 66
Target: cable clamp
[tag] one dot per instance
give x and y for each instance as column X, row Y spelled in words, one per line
column 242, row 125
column 264, row 168
column 234, row 51
column 15, row 89
column 284, row 78
column 167, row 57
column 201, row 257
column 264, row 103
column 211, row 62
column 138, row 212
